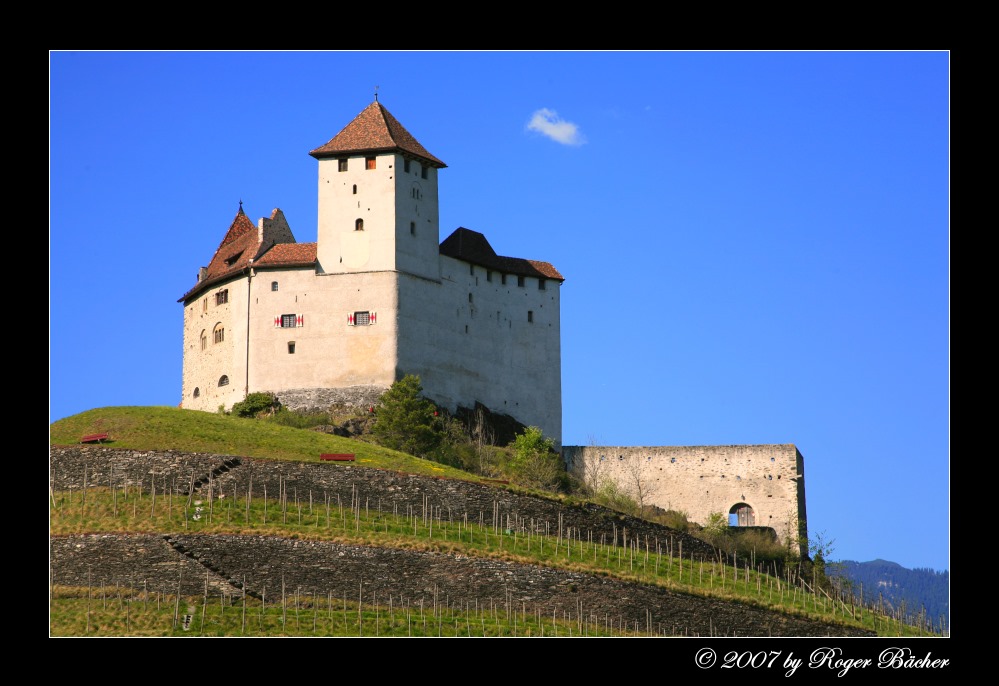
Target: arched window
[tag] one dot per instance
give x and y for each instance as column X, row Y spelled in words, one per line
column 274, row 285
column 223, row 380
column 218, row 333
column 197, row 392
column 359, row 225
column 204, row 339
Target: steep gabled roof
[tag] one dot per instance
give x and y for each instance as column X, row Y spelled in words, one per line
column 237, row 248
column 471, row 246
column 243, row 245
column 375, row 130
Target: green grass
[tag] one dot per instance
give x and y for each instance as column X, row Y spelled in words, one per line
column 115, row 611
column 161, row 428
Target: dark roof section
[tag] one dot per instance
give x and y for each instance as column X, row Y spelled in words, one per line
column 471, row 246
column 375, row 130
column 242, row 245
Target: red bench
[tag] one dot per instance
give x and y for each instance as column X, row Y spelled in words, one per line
column 94, row 438
column 337, row 457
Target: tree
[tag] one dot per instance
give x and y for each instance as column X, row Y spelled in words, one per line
column 716, row 528
column 535, row 462
column 404, row 420
column 820, row 549
column 641, row 483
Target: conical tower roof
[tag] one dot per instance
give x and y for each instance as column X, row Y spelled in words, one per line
column 375, row 130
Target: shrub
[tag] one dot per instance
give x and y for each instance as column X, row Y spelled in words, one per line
column 609, row 494
column 674, row 519
column 535, row 462
column 254, row 404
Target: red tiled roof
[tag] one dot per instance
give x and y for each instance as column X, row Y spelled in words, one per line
column 288, row 254
column 237, row 248
column 240, row 226
column 241, row 245
column 471, row 246
column 374, row 130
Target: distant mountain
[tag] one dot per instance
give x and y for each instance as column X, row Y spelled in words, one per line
column 897, row 588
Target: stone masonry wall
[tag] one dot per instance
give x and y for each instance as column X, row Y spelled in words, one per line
column 700, row 480
column 322, row 399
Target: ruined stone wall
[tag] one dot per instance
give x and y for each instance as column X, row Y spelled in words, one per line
column 700, row 480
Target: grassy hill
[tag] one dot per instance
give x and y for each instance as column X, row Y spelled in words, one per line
column 583, row 564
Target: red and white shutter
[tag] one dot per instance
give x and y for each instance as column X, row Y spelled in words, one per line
column 350, row 319
column 373, row 317
column 300, row 320
column 277, row 321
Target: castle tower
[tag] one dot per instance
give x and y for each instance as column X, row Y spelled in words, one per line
column 378, row 200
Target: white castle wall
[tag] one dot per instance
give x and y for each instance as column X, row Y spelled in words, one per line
column 205, row 365
column 469, row 339
column 485, row 350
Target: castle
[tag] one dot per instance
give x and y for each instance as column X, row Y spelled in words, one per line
column 377, row 297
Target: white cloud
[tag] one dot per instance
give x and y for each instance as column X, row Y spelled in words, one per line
column 548, row 123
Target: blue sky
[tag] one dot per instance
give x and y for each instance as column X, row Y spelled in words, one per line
column 756, row 245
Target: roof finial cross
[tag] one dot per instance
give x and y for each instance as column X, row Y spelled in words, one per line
column 376, row 93
column 240, row 204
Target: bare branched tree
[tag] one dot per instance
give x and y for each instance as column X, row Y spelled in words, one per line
column 640, row 480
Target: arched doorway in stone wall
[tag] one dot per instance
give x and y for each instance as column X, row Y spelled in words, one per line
column 741, row 514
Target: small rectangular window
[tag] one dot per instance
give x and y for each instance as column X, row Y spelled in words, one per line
column 291, row 347
column 423, row 170
column 274, row 285
column 362, row 318
column 222, row 297
column 405, row 166
column 530, row 316
column 369, row 162
column 489, row 275
column 541, row 284
column 289, row 321
column 341, row 165
column 502, row 279
column 520, row 281
column 412, row 228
